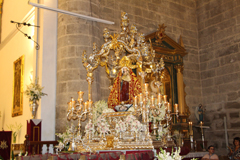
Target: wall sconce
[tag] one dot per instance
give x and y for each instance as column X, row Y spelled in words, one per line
column 31, row 76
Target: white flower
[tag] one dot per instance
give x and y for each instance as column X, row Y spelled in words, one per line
column 163, row 155
column 34, row 91
column 131, row 109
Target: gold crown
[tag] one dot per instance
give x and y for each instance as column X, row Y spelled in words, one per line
column 125, row 62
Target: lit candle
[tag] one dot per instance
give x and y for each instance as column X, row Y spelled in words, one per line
column 80, row 94
column 169, row 107
column 165, row 98
column 190, row 126
column 90, row 105
column 72, row 102
column 152, row 100
column 159, row 98
column 85, row 106
column 140, row 97
column 201, row 123
column 176, row 107
column 135, row 100
column 146, row 87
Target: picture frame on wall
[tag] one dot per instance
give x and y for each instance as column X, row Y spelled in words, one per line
column 18, row 75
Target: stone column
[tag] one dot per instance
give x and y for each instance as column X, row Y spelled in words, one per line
column 180, row 88
column 74, row 36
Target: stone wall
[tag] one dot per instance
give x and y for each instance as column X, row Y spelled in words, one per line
column 74, row 36
column 219, row 37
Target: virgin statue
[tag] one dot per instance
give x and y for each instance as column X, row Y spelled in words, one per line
column 125, row 87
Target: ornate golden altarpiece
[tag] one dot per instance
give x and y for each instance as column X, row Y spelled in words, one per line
column 172, row 53
column 130, row 129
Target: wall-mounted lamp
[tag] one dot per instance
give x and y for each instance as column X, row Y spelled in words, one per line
column 31, row 76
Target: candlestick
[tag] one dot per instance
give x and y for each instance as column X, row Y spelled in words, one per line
column 176, row 107
column 159, row 98
column 152, row 100
column 135, row 100
column 72, row 102
column 169, row 107
column 90, row 105
column 190, row 127
column 80, row 95
column 85, row 106
column 165, row 98
column 146, row 87
column 140, row 97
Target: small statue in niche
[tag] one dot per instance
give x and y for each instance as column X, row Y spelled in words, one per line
column 199, row 111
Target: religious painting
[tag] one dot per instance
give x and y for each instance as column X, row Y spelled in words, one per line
column 1, row 9
column 18, row 87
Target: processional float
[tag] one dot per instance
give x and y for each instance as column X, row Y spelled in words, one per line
column 130, row 129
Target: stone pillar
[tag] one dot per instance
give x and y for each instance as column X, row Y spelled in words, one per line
column 180, row 88
column 74, row 36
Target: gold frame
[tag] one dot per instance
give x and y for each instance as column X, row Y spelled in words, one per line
column 18, row 70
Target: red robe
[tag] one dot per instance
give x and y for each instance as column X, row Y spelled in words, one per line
column 128, row 91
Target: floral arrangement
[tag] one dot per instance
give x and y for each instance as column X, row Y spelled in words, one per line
column 34, row 91
column 136, row 126
column 98, row 109
column 89, row 127
column 160, row 117
column 131, row 120
column 163, row 131
column 131, row 109
column 108, row 110
column 102, row 125
column 15, row 130
column 64, row 138
column 177, row 134
column 120, row 126
column 163, row 155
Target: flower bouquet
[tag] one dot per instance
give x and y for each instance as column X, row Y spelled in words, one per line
column 136, row 126
column 89, row 127
column 34, row 91
column 103, row 126
column 15, row 130
column 98, row 109
column 120, row 126
column 163, row 155
column 64, row 138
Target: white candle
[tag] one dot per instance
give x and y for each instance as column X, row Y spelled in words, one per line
column 176, row 107
column 140, row 97
column 135, row 100
column 169, row 107
column 85, row 106
column 165, row 98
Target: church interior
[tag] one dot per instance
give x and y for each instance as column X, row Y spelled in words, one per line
column 122, row 61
